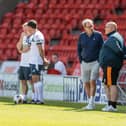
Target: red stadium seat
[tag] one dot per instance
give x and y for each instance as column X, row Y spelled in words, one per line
column 95, row 2
column 14, row 54
column 53, row 1
column 19, row 15
column 52, row 33
column 35, row 2
column 42, row 6
column 87, row 2
column 21, row 5
column 7, row 20
column 30, row 6
column 2, row 46
column 19, row 10
column 29, row 16
column 78, row 2
column 4, row 25
column 70, row 2
column 2, row 36
column 62, row 2
column 9, row 15
column 3, row 31
column 11, row 46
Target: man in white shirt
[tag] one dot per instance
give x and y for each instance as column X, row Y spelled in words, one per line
column 58, row 65
column 37, row 58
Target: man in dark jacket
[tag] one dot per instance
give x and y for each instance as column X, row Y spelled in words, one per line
column 111, row 60
column 89, row 45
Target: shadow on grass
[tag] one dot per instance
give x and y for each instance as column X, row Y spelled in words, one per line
column 67, row 106
column 121, row 109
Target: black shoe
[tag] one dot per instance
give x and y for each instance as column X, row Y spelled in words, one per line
column 24, row 102
column 32, row 102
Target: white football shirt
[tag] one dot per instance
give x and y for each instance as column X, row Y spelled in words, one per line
column 34, row 40
column 25, row 56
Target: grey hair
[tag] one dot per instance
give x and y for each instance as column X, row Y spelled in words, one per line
column 87, row 21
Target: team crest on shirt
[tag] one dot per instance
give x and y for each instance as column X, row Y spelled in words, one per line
column 37, row 37
column 94, row 38
column 28, row 40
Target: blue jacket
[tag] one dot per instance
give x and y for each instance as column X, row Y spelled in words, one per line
column 89, row 47
column 112, row 51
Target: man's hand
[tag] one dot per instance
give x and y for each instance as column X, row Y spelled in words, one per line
column 46, row 62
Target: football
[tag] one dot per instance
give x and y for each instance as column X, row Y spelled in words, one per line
column 18, row 99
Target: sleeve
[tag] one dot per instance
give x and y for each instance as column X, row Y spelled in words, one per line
column 114, row 46
column 101, row 41
column 39, row 39
column 64, row 70
column 79, row 49
column 124, row 50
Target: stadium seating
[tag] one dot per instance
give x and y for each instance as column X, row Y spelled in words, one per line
column 58, row 19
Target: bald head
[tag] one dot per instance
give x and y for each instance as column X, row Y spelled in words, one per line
column 110, row 27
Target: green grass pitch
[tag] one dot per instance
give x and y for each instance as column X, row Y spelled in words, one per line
column 57, row 113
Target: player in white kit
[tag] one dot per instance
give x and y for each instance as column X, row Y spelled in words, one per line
column 24, row 69
column 37, row 59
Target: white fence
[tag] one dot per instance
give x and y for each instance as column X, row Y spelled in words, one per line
column 74, row 90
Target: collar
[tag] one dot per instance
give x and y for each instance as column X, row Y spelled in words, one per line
column 109, row 34
column 91, row 34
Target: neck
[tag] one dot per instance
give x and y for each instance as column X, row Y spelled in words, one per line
column 89, row 33
column 33, row 31
column 111, row 33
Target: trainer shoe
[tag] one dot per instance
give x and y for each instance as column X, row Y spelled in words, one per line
column 39, row 102
column 89, row 107
column 105, row 107
column 109, row 108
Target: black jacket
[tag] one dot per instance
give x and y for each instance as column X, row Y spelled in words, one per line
column 112, row 52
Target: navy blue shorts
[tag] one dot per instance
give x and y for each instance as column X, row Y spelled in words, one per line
column 36, row 69
column 24, row 73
